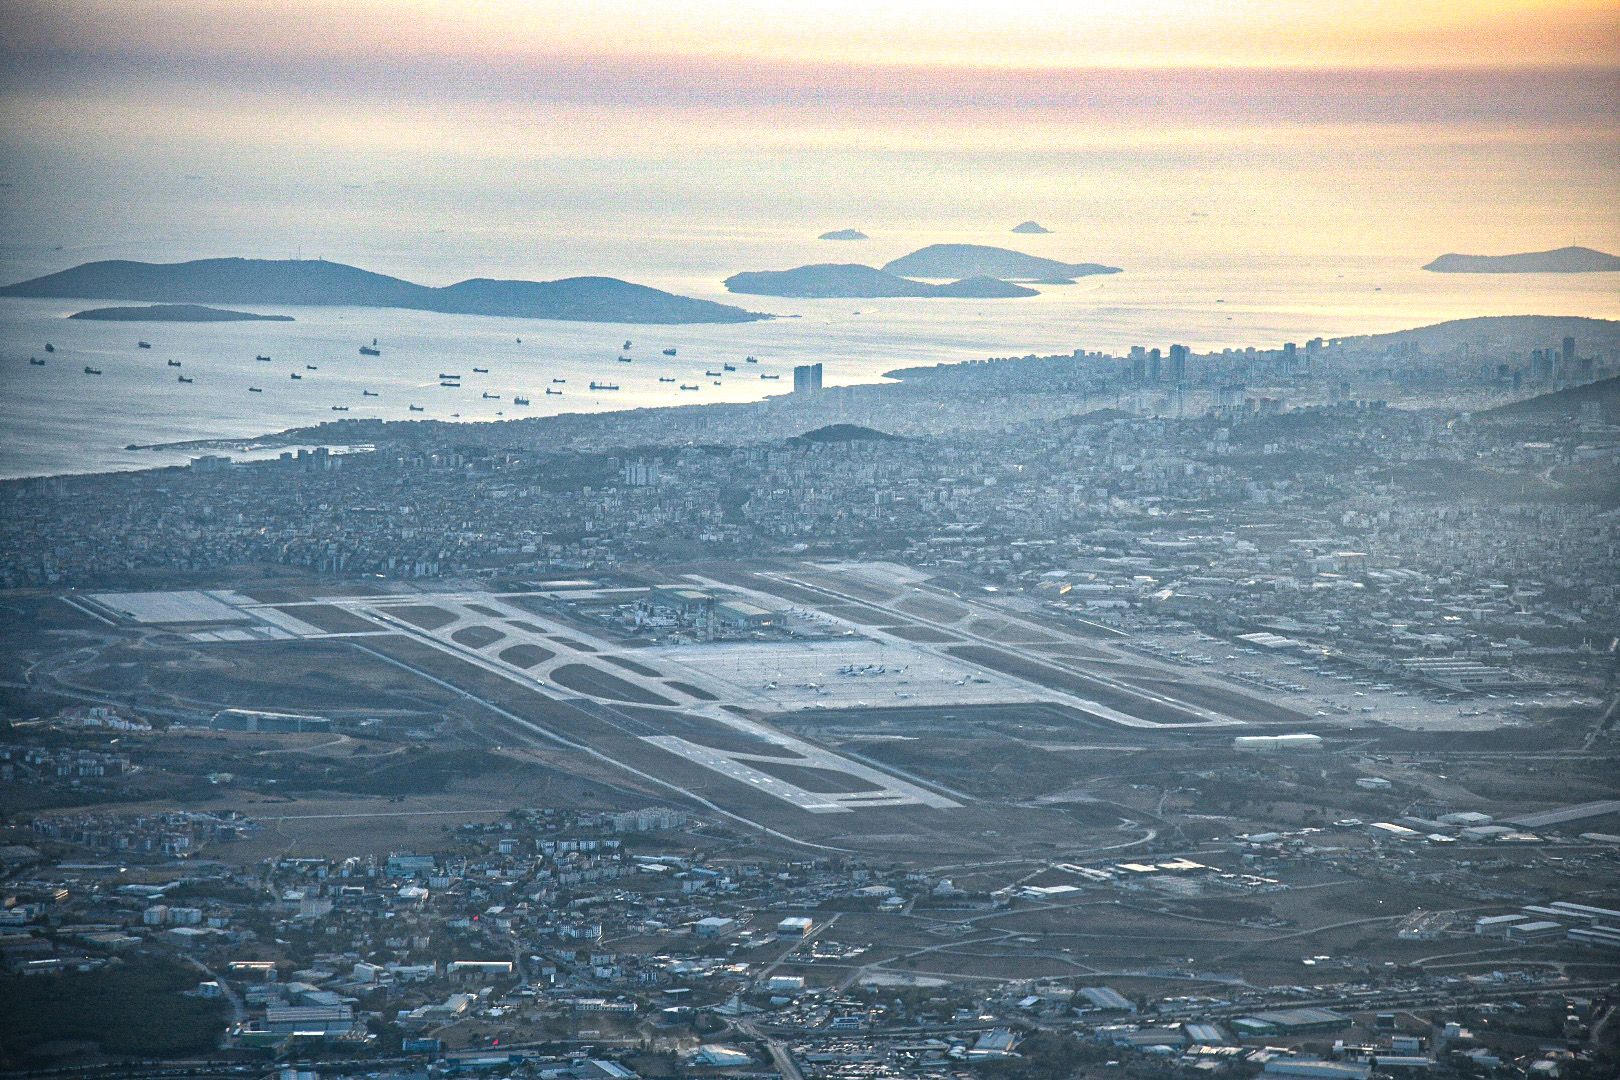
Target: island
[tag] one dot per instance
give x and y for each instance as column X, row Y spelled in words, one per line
column 853, row 280
column 318, row 283
column 1030, row 228
column 844, row 234
column 1564, row 260
column 174, row 313
column 956, row 261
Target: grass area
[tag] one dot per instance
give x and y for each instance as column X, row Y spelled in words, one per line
column 130, row 1009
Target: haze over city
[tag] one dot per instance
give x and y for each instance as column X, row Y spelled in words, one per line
column 818, row 541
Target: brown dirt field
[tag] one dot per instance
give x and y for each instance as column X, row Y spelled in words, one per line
column 1230, row 702
column 426, row 616
column 689, row 690
column 630, row 665
column 477, row 637
column 297, row 676
column 935, row 610
column 526, row 656
column 594, row 682
column 1071, row 651
column 333, row 620
column 1010, row 632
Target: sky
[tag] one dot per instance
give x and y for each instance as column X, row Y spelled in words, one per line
column 364, row 35
column 1387, row 126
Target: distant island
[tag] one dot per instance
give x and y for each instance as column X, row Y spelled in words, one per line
column 977, row 260
column 852, row 280
column 318, row 283
column 1030, row 227
column 1565, row 260
column 174, row 313
column 844, row 234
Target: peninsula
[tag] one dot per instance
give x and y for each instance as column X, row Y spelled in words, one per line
column 174, row 313
column 852, row 280
column 318, row 283
column 974, row 260
column 1564, row 260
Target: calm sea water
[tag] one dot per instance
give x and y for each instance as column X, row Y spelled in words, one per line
column 1230, row 235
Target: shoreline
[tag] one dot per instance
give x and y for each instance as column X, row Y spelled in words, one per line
column 364, row 432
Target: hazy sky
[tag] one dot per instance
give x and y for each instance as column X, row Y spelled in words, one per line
column 1030, row 33
column 1378, row 126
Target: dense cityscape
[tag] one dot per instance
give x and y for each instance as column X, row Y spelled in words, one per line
column 1340, row 654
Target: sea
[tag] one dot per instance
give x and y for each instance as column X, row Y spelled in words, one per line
column 1230, row 233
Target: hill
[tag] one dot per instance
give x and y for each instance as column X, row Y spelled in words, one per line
column 844, row 234
column 1030, row 228
column 852, row 280
column 174, row 313
column 976, row 260
column 988, row 288
column 1565, row 260
column 318, row 283
column 1561, row 404
column 836, row 433
column 1500, row 332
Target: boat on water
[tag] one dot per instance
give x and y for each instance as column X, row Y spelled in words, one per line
column 340, row 408
column 665, row 378
column 49, row 347
column 255, row 390
column 625, row 360
column 185, row 379
column 604, row 386
column 262, row 359
column 626, row 343
column 174, row 363
column 559, row 380
column 685, row 387
column 519, row 400
column 311, row 367
column 669, row 352
column 550, row 390
column 143, row 344
column 729, row 367
column 717, row 382
column 713, row 374
column 294, row 375
column 443, row 375
column 367, row 350
column 88, row 370
column 451, row 385
column 415, row 408
column 480, row 371
column 368, row 393
column 36, row 361
column 491, row 397
column 750, row 360
column 764, row 376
